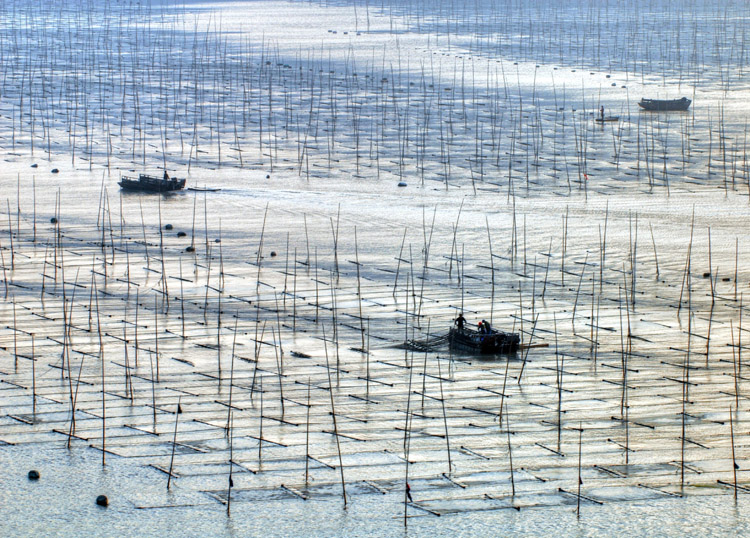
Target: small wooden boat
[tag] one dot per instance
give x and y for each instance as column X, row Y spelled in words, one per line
column 204, row 189
column 473, row 341
column 148, row 183
column 607, row 118
column 664, row 104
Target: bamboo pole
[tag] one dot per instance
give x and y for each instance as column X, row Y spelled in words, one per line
column 177, row 412
column 335, row 425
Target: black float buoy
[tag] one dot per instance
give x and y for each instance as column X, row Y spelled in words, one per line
column 53, row 220
column 55, row 170
column 168, row 227
column 102, row 500
column 181, row 234
column 268, row 176
column 273, row 253
column 33, row 475
column 190, row 249
column 217, row 240
column 34, row 165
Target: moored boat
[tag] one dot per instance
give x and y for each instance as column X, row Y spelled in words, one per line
column 473, row 341
column 664, row 104
column 204, row 189
column 148, row 183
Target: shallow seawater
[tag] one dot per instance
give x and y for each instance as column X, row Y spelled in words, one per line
column 45, row 507
column 272, row 312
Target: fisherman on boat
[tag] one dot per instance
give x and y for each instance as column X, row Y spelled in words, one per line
column 166, row 176
column 601, row 111
column 482, row 339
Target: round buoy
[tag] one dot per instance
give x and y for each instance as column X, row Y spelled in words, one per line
column 273, row 253
column 33, row 475
column 181, row 234
column 34, row 165
column 102, row 500
column 268, row 176
column 402, row 183
column 53, row 220
column 217, row 240
column 190, row 249
column 55, row 170
column 168, row 227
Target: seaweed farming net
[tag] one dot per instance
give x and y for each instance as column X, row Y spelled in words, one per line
column 430, row 344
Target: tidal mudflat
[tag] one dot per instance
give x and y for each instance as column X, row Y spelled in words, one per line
column 266, row 355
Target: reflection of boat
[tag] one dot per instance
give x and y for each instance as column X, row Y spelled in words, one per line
column 665, row 104
column 485, row 344
column 152, row 183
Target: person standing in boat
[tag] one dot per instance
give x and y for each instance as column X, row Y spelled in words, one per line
column 460, row 321
column 166, row 176
column 487, row 329
column 601, row 112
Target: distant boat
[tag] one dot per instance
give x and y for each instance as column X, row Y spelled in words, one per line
column 204, row 189
column 665, row 104
column 484, row 344
column 602, row 118
column 148, row 183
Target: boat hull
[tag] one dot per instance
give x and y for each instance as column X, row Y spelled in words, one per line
column 472, row 341
column 664, row 104
column 146, row 183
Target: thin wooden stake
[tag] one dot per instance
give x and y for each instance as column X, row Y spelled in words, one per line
column 734, row 460
column 177, row 412
column 335, row 425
